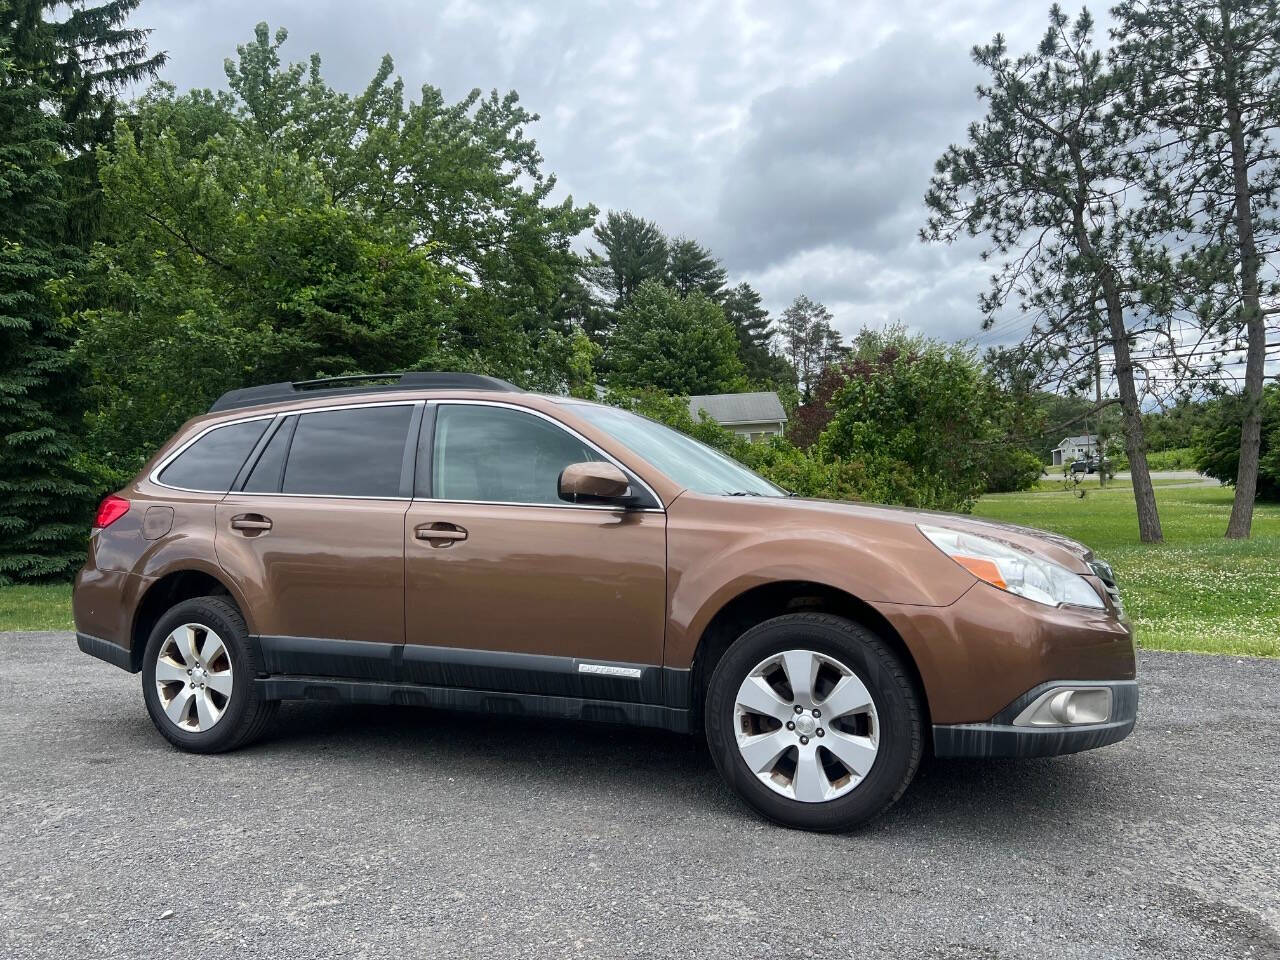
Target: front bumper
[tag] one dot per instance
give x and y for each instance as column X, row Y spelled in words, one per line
column 1000, row 737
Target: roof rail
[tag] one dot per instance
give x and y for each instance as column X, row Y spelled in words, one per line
column 329, row 386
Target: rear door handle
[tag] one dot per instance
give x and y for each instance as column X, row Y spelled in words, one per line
column 251, row 522
column 440, row 534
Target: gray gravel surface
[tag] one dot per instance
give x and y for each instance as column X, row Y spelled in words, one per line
column 363, row 832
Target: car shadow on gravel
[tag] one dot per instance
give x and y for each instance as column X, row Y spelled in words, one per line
column 670, row 770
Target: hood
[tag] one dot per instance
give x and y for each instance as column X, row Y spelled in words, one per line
column 1062, row 550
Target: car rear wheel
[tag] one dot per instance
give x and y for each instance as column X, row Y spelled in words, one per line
column 198, row 678
column 814, row 721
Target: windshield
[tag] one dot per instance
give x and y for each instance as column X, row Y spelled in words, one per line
column 683, row 459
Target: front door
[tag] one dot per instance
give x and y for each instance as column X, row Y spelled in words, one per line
column 507, row 587
column 315, row 535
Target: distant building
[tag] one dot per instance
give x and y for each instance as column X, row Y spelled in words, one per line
column 751, row 415
column 1074, row 448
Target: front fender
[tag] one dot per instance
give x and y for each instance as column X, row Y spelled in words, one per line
column 710, row 563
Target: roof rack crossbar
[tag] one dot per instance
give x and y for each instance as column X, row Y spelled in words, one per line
column 344, row 385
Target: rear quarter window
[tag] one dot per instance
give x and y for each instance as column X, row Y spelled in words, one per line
column 212, row 462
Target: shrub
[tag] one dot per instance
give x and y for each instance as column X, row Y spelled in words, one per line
column 1011, row 469
column 1218, row 442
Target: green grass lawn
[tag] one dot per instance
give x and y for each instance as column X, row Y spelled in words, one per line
column 36, row 608
column 1196, row 591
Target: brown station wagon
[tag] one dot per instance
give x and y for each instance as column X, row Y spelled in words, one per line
column 451, row 541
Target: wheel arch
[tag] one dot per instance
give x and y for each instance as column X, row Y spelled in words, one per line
column 170, row 589
column 766, row 601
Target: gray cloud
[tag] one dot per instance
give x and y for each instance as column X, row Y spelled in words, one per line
column 794, row 139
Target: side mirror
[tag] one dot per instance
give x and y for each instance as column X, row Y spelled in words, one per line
column 595, row 482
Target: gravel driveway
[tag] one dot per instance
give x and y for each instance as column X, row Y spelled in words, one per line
column 397, row 832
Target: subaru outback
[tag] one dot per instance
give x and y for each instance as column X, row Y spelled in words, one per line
column 451, row 541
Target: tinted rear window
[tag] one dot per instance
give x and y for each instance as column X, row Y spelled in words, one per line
column 265, row 475
column 349, row 453
column 212, row 462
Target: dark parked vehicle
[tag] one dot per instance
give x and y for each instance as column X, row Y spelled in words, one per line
column 451, row 541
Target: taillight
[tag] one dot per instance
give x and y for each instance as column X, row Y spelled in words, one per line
column 110, row 510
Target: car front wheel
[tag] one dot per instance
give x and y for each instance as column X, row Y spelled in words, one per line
column 814, row 721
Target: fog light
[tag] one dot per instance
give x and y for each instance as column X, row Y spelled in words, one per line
column 1067, row 707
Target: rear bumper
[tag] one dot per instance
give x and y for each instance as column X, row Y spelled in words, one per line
column 105, row 650
column 999, row 737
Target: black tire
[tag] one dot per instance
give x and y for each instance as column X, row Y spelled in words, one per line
column 887, row 679
column 246, row 713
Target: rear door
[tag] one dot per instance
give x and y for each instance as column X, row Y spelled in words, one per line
column 314, row 534
column 510, row 588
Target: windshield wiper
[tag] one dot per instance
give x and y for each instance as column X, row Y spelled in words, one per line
column 742, row 493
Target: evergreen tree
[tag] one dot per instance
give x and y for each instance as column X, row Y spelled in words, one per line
column 1043, row 177
column 1207, row 91
column 755, row 335
column 82, row 55
column 635, row 250
column 809, row 341
column 690, row 266
column 41, row 499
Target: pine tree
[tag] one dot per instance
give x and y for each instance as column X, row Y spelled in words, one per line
column 1206, row 91
column 690, row 266
column 41, row 497
column 1043, row 178
column 635, row 250
column 755, row 332
column 809, row 341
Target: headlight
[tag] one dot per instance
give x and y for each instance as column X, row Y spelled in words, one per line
column 1028, row 576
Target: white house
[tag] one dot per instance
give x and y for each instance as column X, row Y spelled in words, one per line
column 1073, row 448
column 751, row 415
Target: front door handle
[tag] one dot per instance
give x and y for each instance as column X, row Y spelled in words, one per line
column 251, row 523
column 440, row 534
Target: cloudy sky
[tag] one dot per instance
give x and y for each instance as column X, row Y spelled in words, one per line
column 793, row 138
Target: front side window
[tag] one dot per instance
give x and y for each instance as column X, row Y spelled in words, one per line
column 212, row 462
column 686, row 461
column 499, row 455
column 349, row 453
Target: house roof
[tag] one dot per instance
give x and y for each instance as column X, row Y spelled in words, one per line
column 726, row 408
column 1084, row 440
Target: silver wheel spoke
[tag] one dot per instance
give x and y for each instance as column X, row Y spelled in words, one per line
column 763, row 751
column 757, row 696
column 856, row 753
column 206, row 713
column 220, row 682
column 801, row 667
column 169, row 672
column 184, row 658
column 771, row 729
column 810, row 783
column 212, row 649
column 176, row 709
column 849, row 696
column 184, row 639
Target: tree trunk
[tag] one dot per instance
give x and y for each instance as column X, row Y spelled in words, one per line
column 1135, row 443
column 1241, row 522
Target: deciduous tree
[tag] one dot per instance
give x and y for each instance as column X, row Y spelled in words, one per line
column 678, row 344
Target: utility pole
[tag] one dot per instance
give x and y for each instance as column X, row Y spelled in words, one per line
column 1097, row 401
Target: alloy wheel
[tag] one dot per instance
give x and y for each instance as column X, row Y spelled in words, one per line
column 193, row 677
column 806, row 726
